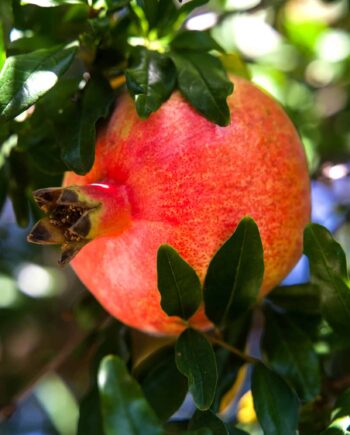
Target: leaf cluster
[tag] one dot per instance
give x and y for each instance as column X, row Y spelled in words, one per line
column 286, row 379
column 59, row 83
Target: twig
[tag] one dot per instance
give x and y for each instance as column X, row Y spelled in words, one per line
column 234, row 350
column 7, row 409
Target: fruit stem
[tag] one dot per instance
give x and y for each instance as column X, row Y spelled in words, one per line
column 232, row 349
column 78, row 214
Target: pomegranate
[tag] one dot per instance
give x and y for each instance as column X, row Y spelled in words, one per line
column 177, row 178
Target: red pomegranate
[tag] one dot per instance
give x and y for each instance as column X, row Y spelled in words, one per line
column 177, row 178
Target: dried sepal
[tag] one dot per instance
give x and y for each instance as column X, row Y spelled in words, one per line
column 68, row 221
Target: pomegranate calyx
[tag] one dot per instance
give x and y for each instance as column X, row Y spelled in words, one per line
column 68, row 222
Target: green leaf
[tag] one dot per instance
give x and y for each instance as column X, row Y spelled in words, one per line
column 195, row 359
column 150, row 79
column 116, row 4
column 178, row 284
column 301, row 298
column 170, row 18
column 188, row 8
column 3, row 187
column 234, row 274
column 201, row 431
column 338, row 427
column 203, row 82
column 125, row 411
column 290, row 353
column 236, row 431
column 276, row 404
column 340, row 418
column 2, row 46
column 27, row 77
column 329, row 273
column 209, row 420
column 18, row 185
column 194, row 40
column 342, row 405
column 163, row 385
column 150, row 9
column 6, row 19
column 52, row 3
column 79, row 137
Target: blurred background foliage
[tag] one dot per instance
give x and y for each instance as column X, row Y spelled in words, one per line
column 52, row 331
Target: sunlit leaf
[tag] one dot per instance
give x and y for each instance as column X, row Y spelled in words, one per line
column 27, row 77
column 2, row 47
column 52, row 3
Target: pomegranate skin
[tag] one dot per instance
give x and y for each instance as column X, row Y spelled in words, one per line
column 189, row 183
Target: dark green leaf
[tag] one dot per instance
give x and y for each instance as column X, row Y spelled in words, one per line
column 338, row 427
column 52, row 3
column 302, row 298
column 2, row 47
column 178, row 284
column 6, row 19
column 196, row 360
column 44, row 133
column 150, row 80
column 203, row 82
column 342, row 406
column 78, row 150
column 208, row 419
column 329, row 273
column 90, row 417
column 170, row 18
column 290, row 353
column 125, row 411
column 276, row 404
column 27, row 77
column 116, row 4
column 18, row 185
column 201, row 431
column 194, row 40
column 235, row 274
column 3, row 187
column 150, row 9
column 236, row 431
column 190, row 6
column 163, row 385
column 340, row 418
